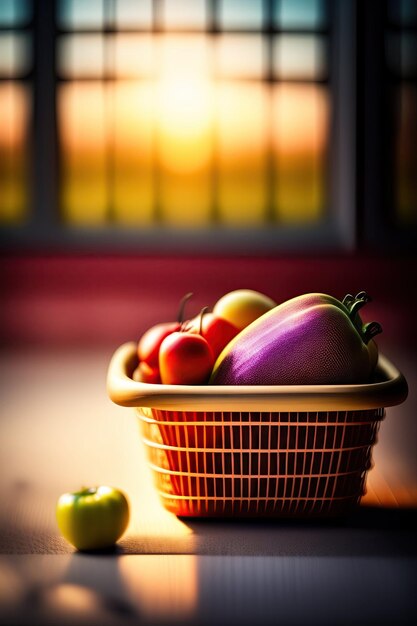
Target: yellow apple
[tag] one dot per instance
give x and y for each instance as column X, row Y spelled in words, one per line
column 243, row 306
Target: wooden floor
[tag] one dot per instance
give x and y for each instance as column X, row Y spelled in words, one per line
column 59, row 431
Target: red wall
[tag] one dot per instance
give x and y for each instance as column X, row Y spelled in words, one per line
column 108, row 300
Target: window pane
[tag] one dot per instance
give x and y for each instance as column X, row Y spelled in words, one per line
column 81, row 56
column 133, row 14
column 185, row 143
column 300, row 130
column 245, row 14
column 406, row 154
column 134, row 132
column 15, row 13
column 183, row 55
column 299, row 57
column 402, row 54
column 403, row 11
column 83, row 113
column 81, row 14
column 15, row 58
column 242, row 131
column 14, row 114
column 135, row 55
column 184, row 14
column 124, row 55
column 293, row 14
column 240, row 56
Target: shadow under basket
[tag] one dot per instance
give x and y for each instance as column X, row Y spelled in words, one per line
column 293, row 451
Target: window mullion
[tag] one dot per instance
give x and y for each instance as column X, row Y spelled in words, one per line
column 45, row 166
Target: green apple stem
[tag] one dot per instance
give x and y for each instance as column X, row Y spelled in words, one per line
column 85, row 491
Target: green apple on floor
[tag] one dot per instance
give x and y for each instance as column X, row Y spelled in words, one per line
column 93, row 518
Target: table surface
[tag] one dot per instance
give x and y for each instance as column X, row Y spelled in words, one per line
column 59, row 431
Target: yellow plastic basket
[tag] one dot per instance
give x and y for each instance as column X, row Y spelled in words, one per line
column 284, row 451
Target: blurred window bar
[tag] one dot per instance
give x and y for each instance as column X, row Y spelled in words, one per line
column 15, row 109
column 401, row 58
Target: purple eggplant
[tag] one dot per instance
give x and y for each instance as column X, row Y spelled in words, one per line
column 312, row 339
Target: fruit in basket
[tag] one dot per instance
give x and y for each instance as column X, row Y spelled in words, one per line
column 93, row 518
column 312, row 339
column 216, row 330
column 242, row 306
column 185, row 358
column 150, row 342
column 144, row 373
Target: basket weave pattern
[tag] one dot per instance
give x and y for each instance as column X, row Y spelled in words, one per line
column 282, row 464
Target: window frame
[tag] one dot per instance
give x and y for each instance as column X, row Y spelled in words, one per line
column 376, row 136
column 337, row 232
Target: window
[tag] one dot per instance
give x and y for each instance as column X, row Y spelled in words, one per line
column 195, row 124
column 196, row 115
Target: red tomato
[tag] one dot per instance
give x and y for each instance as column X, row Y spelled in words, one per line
column 185, row 359
column 150, row 342
column 216, row 330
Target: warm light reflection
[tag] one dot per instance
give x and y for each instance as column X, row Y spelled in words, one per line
column 68, row 599
column 161, row 586
column 153, row 520
column 11, row 586
column 385, row 488
column 14, row 109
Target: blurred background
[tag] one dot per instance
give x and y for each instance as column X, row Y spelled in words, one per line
column 149, row 145
column 153, row 147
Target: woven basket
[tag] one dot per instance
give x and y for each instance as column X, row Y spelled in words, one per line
column 296, row 451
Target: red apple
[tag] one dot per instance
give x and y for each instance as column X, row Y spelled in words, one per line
column 149, row 343
column 216, row 330
column 185, row 358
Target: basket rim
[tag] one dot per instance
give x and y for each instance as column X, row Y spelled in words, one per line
column 390, row 390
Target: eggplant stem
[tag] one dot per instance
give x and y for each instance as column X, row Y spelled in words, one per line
column 370, row 330
column 362, row 295
column 356, row 306
column 184, row 300
column 348, row 300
